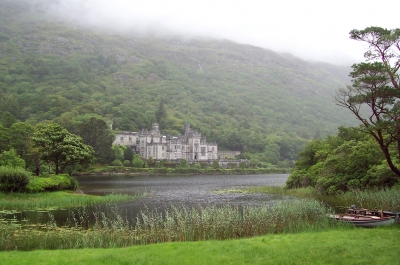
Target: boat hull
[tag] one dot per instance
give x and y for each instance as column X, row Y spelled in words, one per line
column 363, row 221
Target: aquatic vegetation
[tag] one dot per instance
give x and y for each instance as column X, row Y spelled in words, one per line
column 387, row 199
column 110, row 229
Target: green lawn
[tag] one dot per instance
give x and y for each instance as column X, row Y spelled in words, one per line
column 343, row 246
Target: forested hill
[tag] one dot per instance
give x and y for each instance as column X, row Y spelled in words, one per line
column 243, row 97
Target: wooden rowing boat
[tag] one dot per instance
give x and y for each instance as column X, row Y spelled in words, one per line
column 374, row 212
column 363, row 220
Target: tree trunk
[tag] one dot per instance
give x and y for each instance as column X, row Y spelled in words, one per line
column 389, row 161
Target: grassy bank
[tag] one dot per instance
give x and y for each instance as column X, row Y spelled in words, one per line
column 184, row 171
column 343, row 246
column 58, row 199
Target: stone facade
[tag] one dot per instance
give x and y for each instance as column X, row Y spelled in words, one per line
column 190, row 146
column 227, row 154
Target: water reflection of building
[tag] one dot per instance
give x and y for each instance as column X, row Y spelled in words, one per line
column 190, row 146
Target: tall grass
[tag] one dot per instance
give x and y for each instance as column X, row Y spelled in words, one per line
column 211, row 222
column 386, row 199
column 175, row 224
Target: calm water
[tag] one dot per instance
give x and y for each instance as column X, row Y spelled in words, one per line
column 187, row 190
column 163, row 192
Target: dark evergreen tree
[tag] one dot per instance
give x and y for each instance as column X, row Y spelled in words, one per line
column 161, row 114
column 376, row 87
column 128, row 154
column 98, row 135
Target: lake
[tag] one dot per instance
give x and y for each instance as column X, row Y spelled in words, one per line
column 161, row 192
column 186, row 190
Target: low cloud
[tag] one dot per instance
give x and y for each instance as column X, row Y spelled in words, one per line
column 310, row 29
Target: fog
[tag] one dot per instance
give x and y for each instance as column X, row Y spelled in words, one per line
column 310, row 29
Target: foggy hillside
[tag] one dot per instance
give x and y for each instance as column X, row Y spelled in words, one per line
column 243, row 97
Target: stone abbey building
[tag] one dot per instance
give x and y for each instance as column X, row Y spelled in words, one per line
column 190, row 146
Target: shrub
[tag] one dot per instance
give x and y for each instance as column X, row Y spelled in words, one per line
column 196, row 166
column 181, row 170
column 73, row 184
column 126, row 163
column 116, row 163
column 113, row 169
column 151, row 162
column 204, row 164
column 137, row 161
column 52, row 183
column 162, row 170
column 170, row 164
column 13, row 179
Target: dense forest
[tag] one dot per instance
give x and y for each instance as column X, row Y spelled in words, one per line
column 265, row 104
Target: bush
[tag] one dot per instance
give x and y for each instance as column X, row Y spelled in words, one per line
column 204, row 164
column 113, row 169
column 52, row 183
column 126, row 163
column 196, row 166
column 116, row 163
column 170, row 164
column 137, row 161
column 162, row 170
column 73, row 184
column 13, row 179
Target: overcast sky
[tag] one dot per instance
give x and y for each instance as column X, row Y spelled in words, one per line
column 309, row 29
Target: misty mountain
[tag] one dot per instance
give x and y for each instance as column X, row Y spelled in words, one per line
column 243, row 97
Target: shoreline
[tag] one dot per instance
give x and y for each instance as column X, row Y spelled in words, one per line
column 180, row 172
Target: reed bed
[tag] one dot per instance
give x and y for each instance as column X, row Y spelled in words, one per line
column 386, row 199
column 220, row 223
column 172, row 225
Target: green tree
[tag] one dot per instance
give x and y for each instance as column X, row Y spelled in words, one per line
column 21, row 133
column 118, row 151
column 11, row 159
column 128, row 154
column 183, row 163
column 98, row 135
column 340, row 163
column 161, row 114
column 7, row 119
column 376, row 86
column 137, row 161
column 117, row 163
column 216, row 164
column 271, row 152
column 4, row 138
column 151, row 162
column 61, row 148
column 34, row 158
